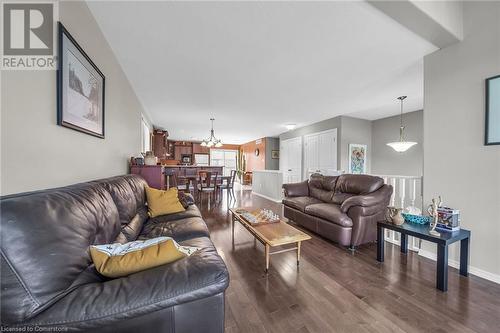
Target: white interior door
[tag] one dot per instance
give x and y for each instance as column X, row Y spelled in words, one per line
column 291, row 160
column 327, row 157
column 311, row 154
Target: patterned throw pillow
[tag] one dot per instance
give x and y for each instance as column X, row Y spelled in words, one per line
column 185, row 199
column 116, row 260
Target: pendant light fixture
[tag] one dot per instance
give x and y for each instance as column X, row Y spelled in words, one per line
column 402, row 145
column 212, row 141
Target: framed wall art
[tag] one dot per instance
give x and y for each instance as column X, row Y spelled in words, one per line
column 80, row 88
column 357, row 158
column 492, row 126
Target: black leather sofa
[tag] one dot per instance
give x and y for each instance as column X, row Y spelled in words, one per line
column 48, row 279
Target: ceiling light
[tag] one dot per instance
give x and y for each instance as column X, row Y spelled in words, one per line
column 212, row 140
column 402, row 145
column 290, row 126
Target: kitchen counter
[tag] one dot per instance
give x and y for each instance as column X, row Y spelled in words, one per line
column 191, row 166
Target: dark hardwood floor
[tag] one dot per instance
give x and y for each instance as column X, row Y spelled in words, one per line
column 334, row 290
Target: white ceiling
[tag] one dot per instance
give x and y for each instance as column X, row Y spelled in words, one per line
column 256, row 66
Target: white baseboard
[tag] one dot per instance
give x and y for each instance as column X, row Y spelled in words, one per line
column 266, row 197
column 456, row 264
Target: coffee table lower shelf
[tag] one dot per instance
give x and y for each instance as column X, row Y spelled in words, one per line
column 271, row 235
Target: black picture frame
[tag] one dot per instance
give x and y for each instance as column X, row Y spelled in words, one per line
column 487, row 140
column 62, row 91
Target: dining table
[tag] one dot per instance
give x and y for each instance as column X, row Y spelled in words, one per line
column 192, row 180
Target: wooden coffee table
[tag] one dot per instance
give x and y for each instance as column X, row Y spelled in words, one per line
column 271, row 234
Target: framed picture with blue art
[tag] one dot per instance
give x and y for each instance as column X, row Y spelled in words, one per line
column 492, row 130
column 357, row 158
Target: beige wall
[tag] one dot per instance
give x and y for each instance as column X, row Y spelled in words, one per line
column 385, row 160
column 35, row 152
column 456, row 163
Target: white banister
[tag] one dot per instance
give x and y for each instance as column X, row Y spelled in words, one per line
column 393, row 196
column 402, row 191
column 407, row 193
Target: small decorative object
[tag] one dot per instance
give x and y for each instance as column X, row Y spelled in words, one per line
column 275, row 154
column 416, row 219
column 150, row 159
column 402, row 145
column 268, row 215
column 80, row 88
column 357, row 158
column 413, row 210
column 139, row 160
column 433, row 212
column 393, row 215
column 492, row 130
column 256, row 152
column 448, row 219
column 212, row 141
column 259, row 216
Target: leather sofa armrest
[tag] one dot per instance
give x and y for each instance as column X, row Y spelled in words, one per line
column 378, row 197
column 296, row 189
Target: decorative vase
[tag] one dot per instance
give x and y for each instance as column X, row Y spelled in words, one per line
column 150, row 159
column 394, row 215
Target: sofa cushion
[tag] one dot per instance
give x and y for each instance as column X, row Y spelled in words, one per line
column 358, row 184
column 339, row 198
column 322, row 187
column 300, row 203
column 45, row 239
column 94, row 305
column 180, row 230
column 191, row 211
column 329, row 212
column 128, row 195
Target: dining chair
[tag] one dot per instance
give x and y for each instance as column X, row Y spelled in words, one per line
column 182, row 183
column 228, row 186
column 207, row 183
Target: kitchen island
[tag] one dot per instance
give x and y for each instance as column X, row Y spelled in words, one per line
column 190, row 170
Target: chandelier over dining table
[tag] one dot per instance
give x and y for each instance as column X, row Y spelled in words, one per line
column 212, row 141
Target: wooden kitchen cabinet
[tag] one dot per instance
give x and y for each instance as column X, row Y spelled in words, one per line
column 182, row 148
column 160, row 148
column 199, row 149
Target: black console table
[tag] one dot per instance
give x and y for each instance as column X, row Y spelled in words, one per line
column 422, row 231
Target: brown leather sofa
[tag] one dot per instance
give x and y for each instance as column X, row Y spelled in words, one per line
column 344, row 209
column 48, row 281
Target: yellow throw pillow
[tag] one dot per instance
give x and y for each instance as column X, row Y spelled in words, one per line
column 163, row 202
column 116, row 260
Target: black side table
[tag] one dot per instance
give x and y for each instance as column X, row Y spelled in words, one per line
column 422, row 231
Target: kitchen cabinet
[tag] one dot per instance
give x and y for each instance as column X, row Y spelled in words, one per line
column 160, row 148
column 180, row 150
column 199, row 149
column 153, row 174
